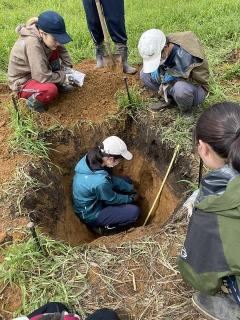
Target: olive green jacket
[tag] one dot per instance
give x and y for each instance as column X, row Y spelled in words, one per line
column 212, row 247
column 191, row 62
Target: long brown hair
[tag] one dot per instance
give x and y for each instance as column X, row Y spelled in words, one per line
column 219, row 126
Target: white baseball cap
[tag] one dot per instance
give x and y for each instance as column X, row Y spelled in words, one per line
column 116, row 146
column 150, row 46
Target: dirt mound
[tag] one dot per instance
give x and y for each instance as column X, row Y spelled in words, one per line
column 93, row 102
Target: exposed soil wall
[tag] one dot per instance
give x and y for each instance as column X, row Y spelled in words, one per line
column 50, row 205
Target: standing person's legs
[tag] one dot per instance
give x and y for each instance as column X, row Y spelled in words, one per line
column 50, row 307
column 103, row 314
column 186, row 95
column 93, row 22
column 114, row 15
column 38, row 94
column 117, row 216
column 95, row 29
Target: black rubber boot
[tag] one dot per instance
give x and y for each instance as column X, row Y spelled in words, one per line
column 218, row 307
column 122, row 49
column 35, row 105
column 99, row 55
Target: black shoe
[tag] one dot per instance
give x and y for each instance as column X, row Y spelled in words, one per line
column 65, row 87
column 186, row 112
column 161, row 104
column 217, row 307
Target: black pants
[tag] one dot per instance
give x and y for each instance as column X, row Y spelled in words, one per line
column 52, row 307
column 114, row 15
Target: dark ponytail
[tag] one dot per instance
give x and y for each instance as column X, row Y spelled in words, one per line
column 96, row 154
column 219, row 126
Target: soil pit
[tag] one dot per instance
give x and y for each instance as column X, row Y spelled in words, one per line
column 51, row 206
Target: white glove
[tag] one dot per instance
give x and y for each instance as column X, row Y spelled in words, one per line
column 74, row 77
column 189, row 203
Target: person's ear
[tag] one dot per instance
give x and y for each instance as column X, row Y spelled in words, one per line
column 203, row 147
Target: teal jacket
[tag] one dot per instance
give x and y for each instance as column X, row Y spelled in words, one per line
column 212, row 246
column 95, row 189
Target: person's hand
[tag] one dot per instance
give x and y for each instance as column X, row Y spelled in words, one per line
column 69, row 79
column 189, row 203
column 155, row 75
column 135, row 197
column 74, row 77
column 168, row 78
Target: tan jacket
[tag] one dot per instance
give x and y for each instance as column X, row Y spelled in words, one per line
column 197, row 72
column 29, row 59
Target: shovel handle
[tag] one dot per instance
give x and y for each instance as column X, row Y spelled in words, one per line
column 102, row 20
column 104, row 29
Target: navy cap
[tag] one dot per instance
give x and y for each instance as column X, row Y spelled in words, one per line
column 51, row 22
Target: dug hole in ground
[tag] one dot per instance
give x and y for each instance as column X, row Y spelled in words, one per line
column 73, row 124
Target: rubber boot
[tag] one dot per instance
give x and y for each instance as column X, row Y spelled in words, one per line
column 99, row 55
column 218, row 307
column 35, row 105
column 122, row 49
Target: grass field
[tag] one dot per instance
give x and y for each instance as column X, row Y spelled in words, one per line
column 215, row 22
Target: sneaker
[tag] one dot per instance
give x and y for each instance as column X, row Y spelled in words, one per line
column 65, row 87
column 217, row 307
column 35, row 105
column 161, row 104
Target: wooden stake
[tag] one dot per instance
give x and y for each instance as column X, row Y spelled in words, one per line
column 162, row 185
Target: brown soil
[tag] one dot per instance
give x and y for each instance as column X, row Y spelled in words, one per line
column 10, row 300
column 93, row 102
column 51, row 207
column 147, row 179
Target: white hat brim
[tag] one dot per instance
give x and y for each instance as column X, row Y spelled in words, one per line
column 152, row 64
column 127, row 155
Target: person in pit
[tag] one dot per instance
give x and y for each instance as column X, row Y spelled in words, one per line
column 175, row 67
column 102, row 201
column 58, row 311
column 210, row 259
column 114, row 14
column 39, row 63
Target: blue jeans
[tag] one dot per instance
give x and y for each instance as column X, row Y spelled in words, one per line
column 233, row 287
column 185, row 94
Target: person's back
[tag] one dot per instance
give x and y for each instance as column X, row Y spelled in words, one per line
column 100, row 199
column 85, row 183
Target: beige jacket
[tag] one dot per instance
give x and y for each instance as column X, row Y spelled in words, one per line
column 29, row 59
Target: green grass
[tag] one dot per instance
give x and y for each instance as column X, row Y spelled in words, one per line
column 40, row 277
column 26, row 136
column 215, row 22
column 14, row 190
column 132, row 102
